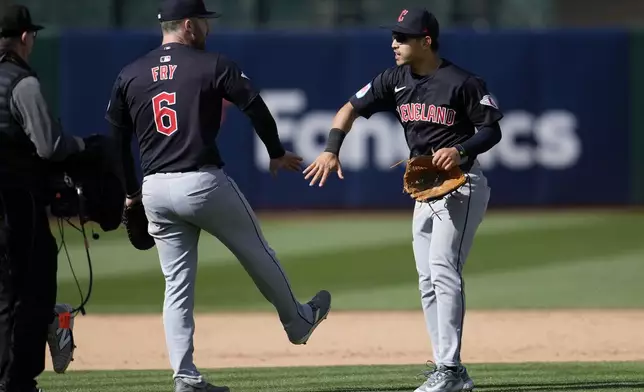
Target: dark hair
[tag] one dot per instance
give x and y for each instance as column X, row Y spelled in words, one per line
column 434, row 45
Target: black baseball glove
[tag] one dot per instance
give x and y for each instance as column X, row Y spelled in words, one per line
column 136, row 225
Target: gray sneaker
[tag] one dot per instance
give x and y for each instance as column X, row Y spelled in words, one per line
column 182, row 386
column 321, row 305
column 468, row 383
column 60, row 337
column 442, row 380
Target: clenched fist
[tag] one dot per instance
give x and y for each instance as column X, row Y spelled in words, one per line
column 446, row 158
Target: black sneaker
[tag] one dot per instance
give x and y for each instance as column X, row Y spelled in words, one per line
column 321, row 305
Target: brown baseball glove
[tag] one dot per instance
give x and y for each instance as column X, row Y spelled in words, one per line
column 425, row 182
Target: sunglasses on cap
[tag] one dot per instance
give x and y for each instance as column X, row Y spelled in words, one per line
column 402, row 37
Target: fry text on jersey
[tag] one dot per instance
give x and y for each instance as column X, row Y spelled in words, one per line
column 427, row 113
column 163, row 72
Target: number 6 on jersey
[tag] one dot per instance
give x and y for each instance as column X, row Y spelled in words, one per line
column 166, row 112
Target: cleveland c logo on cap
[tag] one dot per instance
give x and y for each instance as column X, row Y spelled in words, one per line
column 402, row 15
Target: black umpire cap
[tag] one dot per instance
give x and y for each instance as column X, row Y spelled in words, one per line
column 416, row 22
column 16, row 20
column 183, row 9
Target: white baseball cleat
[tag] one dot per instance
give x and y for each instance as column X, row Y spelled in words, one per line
column 443, row 380
column 60, row 337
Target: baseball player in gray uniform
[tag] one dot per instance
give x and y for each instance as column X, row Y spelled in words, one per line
column 439, row 106
column 171, row 99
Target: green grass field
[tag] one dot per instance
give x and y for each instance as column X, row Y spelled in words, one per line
column 597, row 377
column 585, row 260
column 538, row 260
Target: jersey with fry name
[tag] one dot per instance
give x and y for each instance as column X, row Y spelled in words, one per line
column 172, row 99
column 436, row 111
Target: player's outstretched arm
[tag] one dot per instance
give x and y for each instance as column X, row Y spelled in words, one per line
column 375, row 96
column 329, row 160
column 236, row 88
column 265, row 127
column 345, row 117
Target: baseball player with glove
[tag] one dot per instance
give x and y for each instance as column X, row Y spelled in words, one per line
column 171, row 100
column 439, row 105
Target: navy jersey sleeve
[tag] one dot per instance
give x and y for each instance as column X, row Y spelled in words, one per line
column 118, row 113
column 481, row 108
column 233, row 83
column 376, row 96
column 122, row 131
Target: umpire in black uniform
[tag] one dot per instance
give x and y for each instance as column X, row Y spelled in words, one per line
column 28, row 252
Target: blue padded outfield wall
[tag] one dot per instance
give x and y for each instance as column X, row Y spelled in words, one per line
column 566, row 126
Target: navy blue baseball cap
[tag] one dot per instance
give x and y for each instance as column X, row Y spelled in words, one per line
column 183, row 9
column 417, row 22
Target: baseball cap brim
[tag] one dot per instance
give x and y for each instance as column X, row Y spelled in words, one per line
column 18, row 32
column 403, row 30
column 209, row 15
column 205, row 15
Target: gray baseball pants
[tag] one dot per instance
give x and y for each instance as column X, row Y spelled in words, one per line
column 179, row 206
column 443, row 233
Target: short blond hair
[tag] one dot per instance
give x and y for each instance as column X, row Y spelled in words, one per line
column 172, row 26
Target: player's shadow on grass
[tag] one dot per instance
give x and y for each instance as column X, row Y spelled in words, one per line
column 568, row 386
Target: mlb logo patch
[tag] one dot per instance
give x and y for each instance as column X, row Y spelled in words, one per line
column 165, row 59
column 489, row 101
column 363, row 91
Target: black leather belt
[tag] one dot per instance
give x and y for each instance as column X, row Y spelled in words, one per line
column 189, row 169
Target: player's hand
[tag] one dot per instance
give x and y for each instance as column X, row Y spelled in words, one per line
column 289, row 161
column 131, row 201
column 324, row 164
column 446, row 158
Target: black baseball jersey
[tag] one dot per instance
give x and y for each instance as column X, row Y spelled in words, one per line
column 171, row 98
column 436, row 111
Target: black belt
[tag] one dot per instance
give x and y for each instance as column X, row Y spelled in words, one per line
column 185, row 170
column 188, row 169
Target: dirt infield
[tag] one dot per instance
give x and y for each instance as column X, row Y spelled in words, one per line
column 347, row 338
